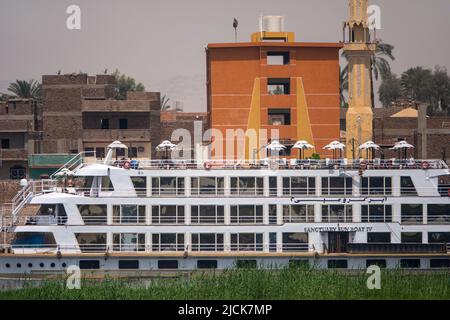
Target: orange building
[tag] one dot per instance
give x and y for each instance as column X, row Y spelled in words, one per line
column 276, row 83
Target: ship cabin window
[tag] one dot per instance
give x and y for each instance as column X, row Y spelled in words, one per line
column 247, row 214
column 298, row 213
column 207, row 185
column 439, row 213
column 376, row 185
column 167, row 186
column 337, row 213
column 208, row 214
column 206, row 264
column 378, row 237
column 207, row 242
column 128, row 264
column 295, row 241
column 411, row 237
column 49, row 214
column 129, row 242
column 381, row 263
column 93, row 214
column 272, row 241
column 247, row 185
column 336, row 186
column 299, row 186
column 407, row 187
column 412, row 213
column 89, row 264
column 168, row 242
column 438, row 237
column 167, row 264
column 246, row 264
column 337, row 264
column 34, row 240
column 273, row 183
column 277, row 58
column 299, row 264
column 376, row 213
column 410, row 263
column 140, row 186
column 128, row 214
column 278, row 86
column 440, row 263
column 167, row 214
column 273, row 216
column 83, row 184
column 246, row 242
column 106, row 184
column 91, row 242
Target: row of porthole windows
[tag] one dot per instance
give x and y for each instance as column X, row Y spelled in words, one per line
column 41, row 265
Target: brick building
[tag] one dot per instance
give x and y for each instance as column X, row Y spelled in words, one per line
column 80, row 113
column 20, row 133
column 275, row 84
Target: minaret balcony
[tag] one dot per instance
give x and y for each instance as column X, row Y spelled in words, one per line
column 360, row 46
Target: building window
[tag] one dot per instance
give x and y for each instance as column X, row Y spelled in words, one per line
column 298, row 213
column 246, row 242
column 208, row 214
column 93, row 214
column 336, row 186
column 378, row 237
column 407, row 187
column 128, row 214
column 277, row 58
column 411, row 237
column 123, row 123
column 277, row 86
column 132, row 152
column 207, row 241
column 140, row 186
column 168, row 214
column 299, row 186
column 247, row 185
column 279, row 117
column 104, row 124
column 295, row 241
column 5, row 144
column 412, row 213
column 207, row 185
column 168, row 186
column 376, row 213
column 337, row 213
column 17, row 172
column 439, row 213
column 91, row 242
column 247, row 214
column 100, row 152
column 376, row 185
column 131, row 242
column 168, row 242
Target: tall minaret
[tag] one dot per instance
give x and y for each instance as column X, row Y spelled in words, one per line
column 359, row 49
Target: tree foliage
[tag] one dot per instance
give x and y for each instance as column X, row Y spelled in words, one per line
column 390, row 90
column 26, row 89
column 125, row 84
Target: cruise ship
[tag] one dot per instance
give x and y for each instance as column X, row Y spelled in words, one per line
column 188, row 215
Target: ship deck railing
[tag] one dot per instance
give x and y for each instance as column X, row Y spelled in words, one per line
column 279, row 164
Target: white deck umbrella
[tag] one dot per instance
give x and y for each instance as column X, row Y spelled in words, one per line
column 335, row 145
column 166, row 146
column 114, row 146
column 302, row 145
column 369, row 145
column 275, row 146
column 402, row 145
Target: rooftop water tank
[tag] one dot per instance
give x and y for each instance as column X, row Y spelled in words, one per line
column 272, row 23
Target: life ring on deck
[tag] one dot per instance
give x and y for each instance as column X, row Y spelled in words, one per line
column 207, row 165
column 363, row 165
column 127, row 164
column 425, row 165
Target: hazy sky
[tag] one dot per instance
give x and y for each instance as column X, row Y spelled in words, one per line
column 161, row 42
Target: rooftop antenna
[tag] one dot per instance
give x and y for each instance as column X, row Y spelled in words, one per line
column 235, row 25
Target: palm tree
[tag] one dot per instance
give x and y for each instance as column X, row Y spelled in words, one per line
column 165, row 103
column 343, row 85
column 380, row 66
column 26, row 89
column 416, row 83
